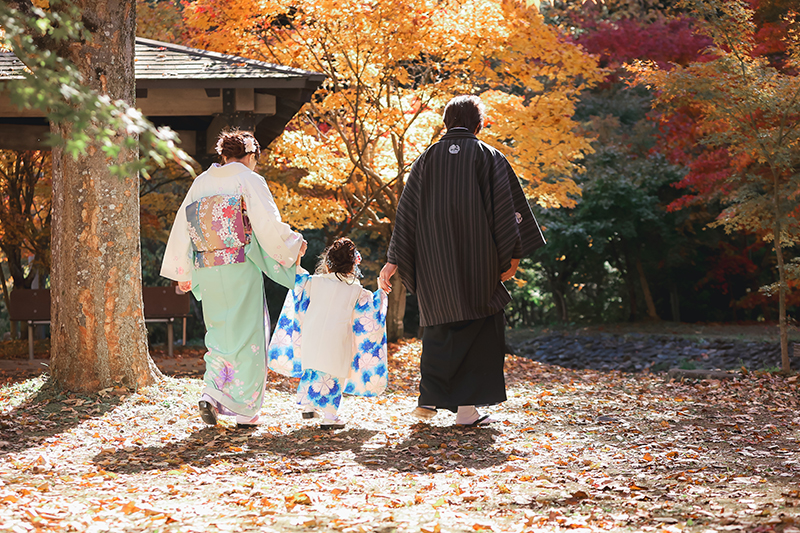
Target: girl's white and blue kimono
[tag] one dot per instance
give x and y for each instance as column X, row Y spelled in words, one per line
column 332, row 335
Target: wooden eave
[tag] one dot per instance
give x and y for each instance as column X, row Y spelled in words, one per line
column 186, row 89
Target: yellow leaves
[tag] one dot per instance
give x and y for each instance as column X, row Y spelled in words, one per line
column 391, row 67
column 559, row 194
column 540, row 137
column 298, row 498
column 162, row 21
column 305, row 212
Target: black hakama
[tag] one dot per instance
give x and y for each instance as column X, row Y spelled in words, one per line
column 462, row 363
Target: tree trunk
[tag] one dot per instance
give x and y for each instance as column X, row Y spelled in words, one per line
column 782, row 285
column 648, row 298
column 561, row 305
column 99, row 338
column 396, row 311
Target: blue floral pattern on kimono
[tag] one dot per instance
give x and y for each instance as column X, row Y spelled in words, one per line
column 319, row 391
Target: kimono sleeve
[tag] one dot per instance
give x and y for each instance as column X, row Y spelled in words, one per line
column 369, row 373
column 178, row 261
column 513, row 225
column 275, row 237
column 403, row 246
column 284, row 352
column 530, row 234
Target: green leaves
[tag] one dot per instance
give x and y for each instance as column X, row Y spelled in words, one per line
column 54, row 86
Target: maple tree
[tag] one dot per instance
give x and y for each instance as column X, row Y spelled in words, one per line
column 391, row 67
column 25, row 213
column 619, row 218
column 161, row 20
column 746, row 110
column 24, row 219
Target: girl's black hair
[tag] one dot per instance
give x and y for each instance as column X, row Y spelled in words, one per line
column 339, row 258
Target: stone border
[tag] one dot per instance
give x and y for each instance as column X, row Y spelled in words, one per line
column 681, row 374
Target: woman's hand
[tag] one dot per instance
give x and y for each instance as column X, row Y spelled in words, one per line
column 508, row 274
column 185, row 286
column 387, row 272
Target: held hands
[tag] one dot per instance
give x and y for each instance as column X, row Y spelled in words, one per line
column 185, row 286
column 508, row 274
column 303, row 248
column 387, row 272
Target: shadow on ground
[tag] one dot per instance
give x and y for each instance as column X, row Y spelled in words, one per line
column 47, row 413
column 427, row 449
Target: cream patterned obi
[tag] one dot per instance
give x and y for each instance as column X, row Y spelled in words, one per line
column 219, row 229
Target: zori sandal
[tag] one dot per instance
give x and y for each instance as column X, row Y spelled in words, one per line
column 482, row 421
column 242, row 422
column 208, row 412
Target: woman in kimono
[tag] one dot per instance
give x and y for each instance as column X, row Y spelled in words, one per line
column 226, row 233
column 332, row 335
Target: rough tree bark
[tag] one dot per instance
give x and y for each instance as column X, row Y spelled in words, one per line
column 777, row 234
column 652, row 314
column 99, row 338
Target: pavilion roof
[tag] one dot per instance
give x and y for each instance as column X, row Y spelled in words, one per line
column 160, row 64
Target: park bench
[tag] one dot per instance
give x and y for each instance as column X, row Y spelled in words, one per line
column 161, row 304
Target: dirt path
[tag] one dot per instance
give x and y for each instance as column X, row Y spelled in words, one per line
column 574, row 450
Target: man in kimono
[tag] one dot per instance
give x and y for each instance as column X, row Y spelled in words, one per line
column 463, row 224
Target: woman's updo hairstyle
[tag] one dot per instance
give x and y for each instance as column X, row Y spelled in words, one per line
column 340, row 258
column 236, row 144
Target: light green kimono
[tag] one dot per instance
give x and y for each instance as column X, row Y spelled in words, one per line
column 232, row 289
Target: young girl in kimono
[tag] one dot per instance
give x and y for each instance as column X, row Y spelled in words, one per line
column 332, row 335
column 226, row 233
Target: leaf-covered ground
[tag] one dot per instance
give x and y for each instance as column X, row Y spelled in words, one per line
column 577, row 450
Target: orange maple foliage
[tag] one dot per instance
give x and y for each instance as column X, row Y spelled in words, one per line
column 391, row 66
column 25, row 212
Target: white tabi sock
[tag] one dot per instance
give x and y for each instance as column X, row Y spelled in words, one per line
column 467, row 414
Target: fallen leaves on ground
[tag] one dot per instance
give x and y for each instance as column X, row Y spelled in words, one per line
column 573, row 450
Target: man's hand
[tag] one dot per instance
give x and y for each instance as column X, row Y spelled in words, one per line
column 387, row 272
column 508, row 274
